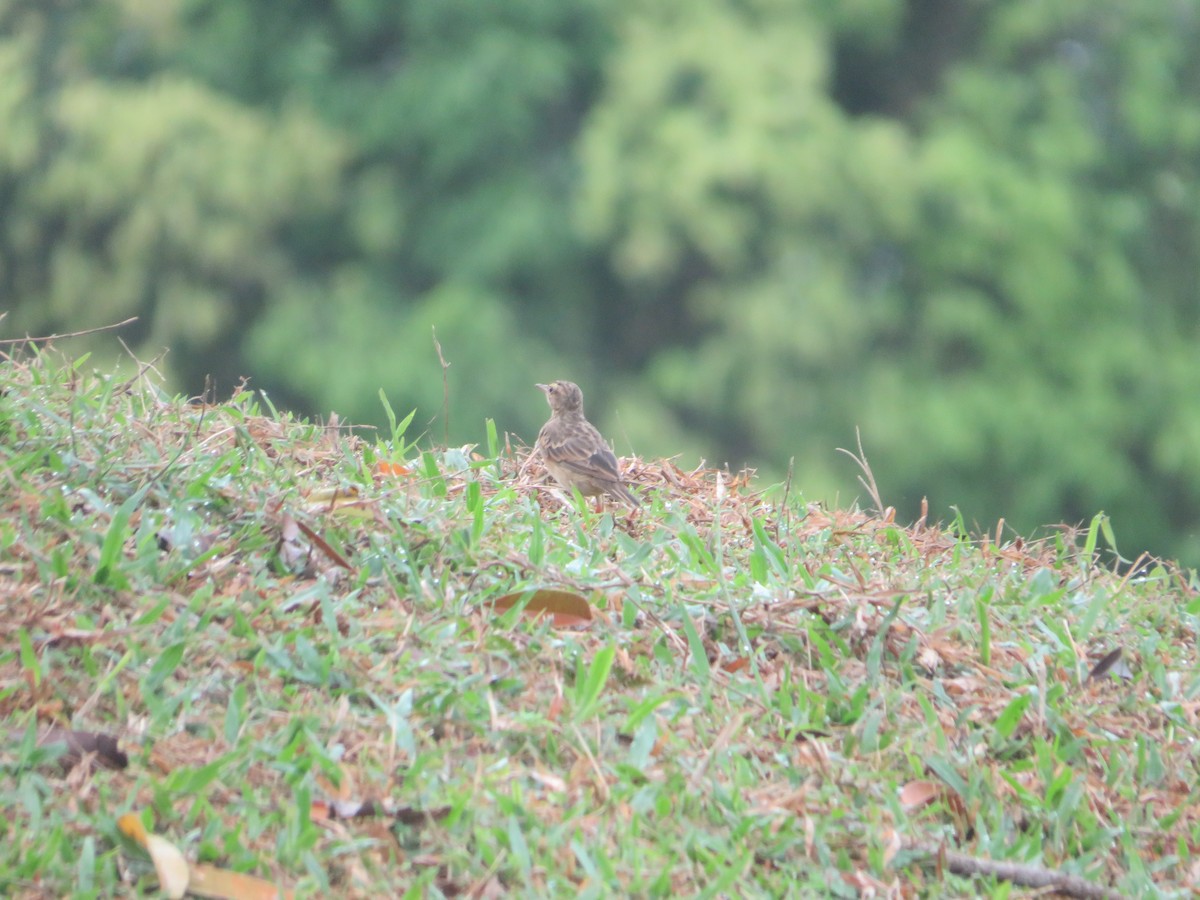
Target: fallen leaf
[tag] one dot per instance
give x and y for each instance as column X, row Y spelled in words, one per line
column 892, row 845
column 394, row 470
column 566, row 609
column 332, row 498
column 323, row 546
column 172, row 868
column 916, row 794
column 223, row 884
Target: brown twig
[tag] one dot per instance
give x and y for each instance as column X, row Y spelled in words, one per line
column 1022, row 874
column 71, row 334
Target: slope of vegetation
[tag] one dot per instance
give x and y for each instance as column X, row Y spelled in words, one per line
column 294, row 632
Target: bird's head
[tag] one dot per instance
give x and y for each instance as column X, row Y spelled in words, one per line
column 563, row 396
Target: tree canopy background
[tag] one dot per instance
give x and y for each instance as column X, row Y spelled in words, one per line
column 745, row 228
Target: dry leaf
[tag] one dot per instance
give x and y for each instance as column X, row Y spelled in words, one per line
column 916, row 794
column 391, row 469
column 172, row 868
column 343, row 501
column 567, row 609
column 332, row 498
column 223, row 884
column 323, row 546
column 892, row 845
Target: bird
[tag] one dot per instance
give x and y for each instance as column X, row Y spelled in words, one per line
column 574, row 452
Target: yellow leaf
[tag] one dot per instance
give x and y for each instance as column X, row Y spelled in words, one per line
column 172, row 868
column 334, row 497
column 131, row 826
column 169, row 864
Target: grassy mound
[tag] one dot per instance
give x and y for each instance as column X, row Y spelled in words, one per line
column 294, row 633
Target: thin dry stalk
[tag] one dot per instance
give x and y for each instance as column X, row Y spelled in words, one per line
column 867, row 479
column 69, row 334
column 445, row 392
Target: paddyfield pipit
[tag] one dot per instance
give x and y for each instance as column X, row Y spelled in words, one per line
column 573, row 450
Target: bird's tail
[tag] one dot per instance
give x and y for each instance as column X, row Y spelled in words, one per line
column 627, row 494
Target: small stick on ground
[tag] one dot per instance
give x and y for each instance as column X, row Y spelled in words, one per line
column 1022, row 874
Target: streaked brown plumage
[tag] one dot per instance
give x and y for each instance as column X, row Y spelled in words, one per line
column 573, row 450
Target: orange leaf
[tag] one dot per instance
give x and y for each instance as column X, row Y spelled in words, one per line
column 566, row 609
column 395, row 470
column 131, row 826
column 209, row 881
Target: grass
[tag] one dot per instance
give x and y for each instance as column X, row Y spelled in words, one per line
column 770, row 698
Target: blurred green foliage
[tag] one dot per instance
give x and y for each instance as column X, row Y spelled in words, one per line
column 745, row 227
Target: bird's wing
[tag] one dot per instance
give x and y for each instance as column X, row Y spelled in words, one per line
column 584, row 451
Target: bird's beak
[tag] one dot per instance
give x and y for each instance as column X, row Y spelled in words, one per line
column 544, row 388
